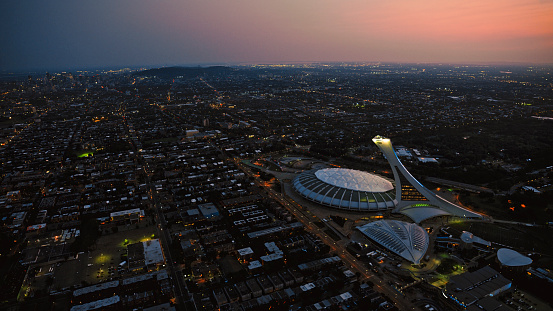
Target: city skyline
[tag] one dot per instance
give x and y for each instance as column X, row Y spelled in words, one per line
column 259, row 188
column 68, row 35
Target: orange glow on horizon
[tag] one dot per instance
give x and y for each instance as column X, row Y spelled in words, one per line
column 462, row 20
column 434, row 31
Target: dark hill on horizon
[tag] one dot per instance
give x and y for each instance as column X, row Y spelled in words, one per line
column 187, row 72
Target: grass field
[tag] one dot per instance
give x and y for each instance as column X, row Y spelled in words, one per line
column 448, row 267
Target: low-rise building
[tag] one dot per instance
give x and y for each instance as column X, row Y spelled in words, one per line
column 254, row 287
column 469, row 287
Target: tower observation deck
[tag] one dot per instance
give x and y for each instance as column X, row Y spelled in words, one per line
column 415, row 200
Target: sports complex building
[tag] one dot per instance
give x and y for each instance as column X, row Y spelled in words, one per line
column 407, row 240
column 512, row 259
column 346, row 189
column 365, row 192
column 360, row 191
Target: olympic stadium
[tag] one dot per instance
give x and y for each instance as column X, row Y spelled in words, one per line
column 360, row 191
column 346, row 189
column 354, row 190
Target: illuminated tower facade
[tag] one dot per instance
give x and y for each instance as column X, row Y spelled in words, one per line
column 415, row 200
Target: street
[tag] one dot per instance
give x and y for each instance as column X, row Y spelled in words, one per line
column 182, row 296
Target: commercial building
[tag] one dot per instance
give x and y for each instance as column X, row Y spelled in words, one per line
column 153, row 254
column 208, row 210
column 468, row 288
column 145, row 254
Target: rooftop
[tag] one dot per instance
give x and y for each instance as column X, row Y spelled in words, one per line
column 245, row 251
column 468, row 237
column 509, row 257
column 469, row 287
column 95, row 288
column 354, row 180
column 408, row 240
column 152, row 252
column 98, row 304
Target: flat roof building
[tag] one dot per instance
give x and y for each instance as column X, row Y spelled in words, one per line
column 317, row 264
column 145, row 254
column 244, row 252
column 110, row 303
column 153, row 253
column 470, row 287
column 130, row 214
column 208, row 210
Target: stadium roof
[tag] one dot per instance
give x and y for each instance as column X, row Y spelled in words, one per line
column 346, row 189
column 511, row 258
column 408, row 240
column 354, row 180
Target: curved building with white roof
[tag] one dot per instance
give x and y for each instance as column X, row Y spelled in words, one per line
column 407, row 240
column 468, row 239
column 510, row 258
column 346, row 189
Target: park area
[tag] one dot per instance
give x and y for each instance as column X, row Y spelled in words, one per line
column 447, row 267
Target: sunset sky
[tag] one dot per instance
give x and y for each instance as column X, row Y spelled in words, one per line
column 62, row 34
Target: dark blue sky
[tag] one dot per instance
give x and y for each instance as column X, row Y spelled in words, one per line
column 62, row 34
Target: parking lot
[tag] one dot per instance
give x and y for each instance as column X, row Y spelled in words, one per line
column 522, row 301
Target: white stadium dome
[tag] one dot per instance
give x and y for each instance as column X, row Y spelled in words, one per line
column 346, row 189
column 407, row 240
